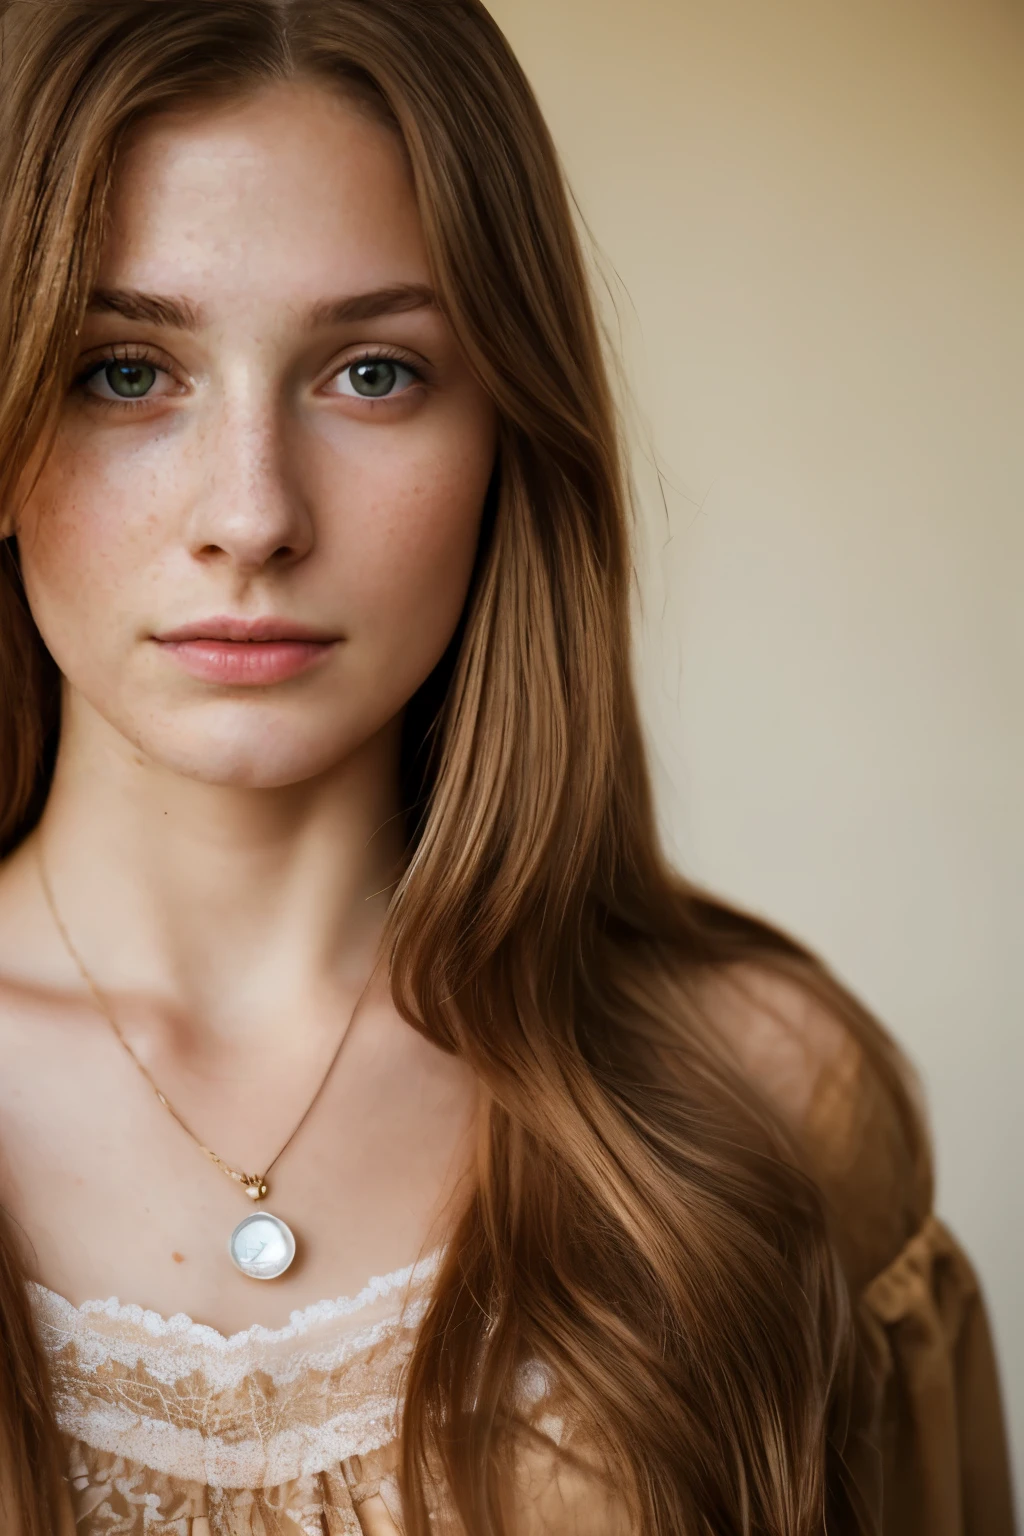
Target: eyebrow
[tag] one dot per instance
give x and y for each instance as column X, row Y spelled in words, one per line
column 182, row 315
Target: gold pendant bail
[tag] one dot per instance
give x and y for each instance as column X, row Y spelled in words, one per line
column 255, row 1186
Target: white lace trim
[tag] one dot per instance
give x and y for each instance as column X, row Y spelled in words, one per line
column 240, row 1410
column 189, row 1455
column 181, row 1327
column 169, row 1364
column 235, row 1410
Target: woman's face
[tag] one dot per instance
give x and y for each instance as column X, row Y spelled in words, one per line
column 271, row 422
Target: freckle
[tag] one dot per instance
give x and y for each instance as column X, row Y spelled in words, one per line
column 179, row 1258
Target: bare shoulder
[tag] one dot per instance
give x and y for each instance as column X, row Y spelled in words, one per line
column 846, row 1096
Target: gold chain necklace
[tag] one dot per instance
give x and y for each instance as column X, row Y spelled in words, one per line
column 261, row 1246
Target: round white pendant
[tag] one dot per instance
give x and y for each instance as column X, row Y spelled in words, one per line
column 262, row 1246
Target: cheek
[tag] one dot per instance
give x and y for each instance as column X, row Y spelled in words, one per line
column 409, row 543
column 81, row 549
column 417, row 553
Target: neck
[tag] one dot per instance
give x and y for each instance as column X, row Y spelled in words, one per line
column 231, row 904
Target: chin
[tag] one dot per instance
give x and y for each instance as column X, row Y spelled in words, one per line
column 246, row 769
column 266, row 752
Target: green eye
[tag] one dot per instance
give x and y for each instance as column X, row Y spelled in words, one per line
column 121, row 379
column 129, row 381
column 375, row 378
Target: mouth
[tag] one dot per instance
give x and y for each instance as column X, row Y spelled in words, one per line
column 245, row 652
column 246, row 631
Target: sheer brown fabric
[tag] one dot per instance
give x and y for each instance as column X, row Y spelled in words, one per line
column 941, row 1467
column 171, row 1427
column 173, row 1430
column 928, row 1446
column 930, row 1459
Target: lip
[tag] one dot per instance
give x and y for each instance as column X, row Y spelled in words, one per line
column 245, row 652
column 225, row 627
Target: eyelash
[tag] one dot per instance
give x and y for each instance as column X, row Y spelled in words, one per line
column 127, row 354
column 122, row 354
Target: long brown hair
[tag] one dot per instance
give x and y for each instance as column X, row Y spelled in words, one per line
column 639, row 1224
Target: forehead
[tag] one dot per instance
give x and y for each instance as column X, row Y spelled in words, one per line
column 290, row 193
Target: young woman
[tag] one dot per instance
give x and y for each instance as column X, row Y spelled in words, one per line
column 335, row 940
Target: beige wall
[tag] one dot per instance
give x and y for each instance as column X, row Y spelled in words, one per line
column 815, row 212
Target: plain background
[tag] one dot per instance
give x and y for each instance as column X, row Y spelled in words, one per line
column 811, row 214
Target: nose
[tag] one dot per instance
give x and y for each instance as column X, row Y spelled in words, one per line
column 250, row 510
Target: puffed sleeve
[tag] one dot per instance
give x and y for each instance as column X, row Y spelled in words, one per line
column 927, row 1446
column 941, row 1466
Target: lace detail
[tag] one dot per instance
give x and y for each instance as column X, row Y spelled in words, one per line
column 249, row 1410
column 176, row 1429
column 182, row 1326
column 169, row 1347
